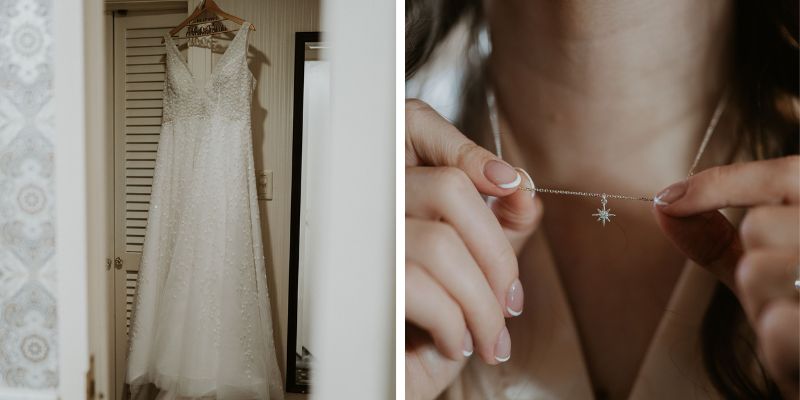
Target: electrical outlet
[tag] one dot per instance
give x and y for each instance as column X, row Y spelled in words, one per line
column 264, row 185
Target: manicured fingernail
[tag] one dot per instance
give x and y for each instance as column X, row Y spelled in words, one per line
column 671, row 194
column 467, row 345
column 531, row 184
column 502, row 350
column 514, row 299
column 501, row 174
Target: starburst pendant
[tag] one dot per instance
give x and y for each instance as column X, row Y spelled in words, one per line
column 605, row 214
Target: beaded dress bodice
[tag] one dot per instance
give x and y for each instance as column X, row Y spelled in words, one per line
column 227, row 93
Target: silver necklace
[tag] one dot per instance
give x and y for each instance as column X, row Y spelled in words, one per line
column 603, row 214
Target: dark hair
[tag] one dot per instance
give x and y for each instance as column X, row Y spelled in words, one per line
column 765, row 90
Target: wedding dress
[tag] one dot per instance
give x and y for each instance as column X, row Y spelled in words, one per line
column 201, row 327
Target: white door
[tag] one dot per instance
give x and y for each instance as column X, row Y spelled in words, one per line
column 139, row 67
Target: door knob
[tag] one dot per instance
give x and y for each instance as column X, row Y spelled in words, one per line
column 118, row 263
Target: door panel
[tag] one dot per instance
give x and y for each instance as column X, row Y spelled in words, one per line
column 139, row 67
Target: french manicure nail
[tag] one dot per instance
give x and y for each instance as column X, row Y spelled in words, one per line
column 532, row 186
column 467, row 345
column 514, row 299
column 671, row 194
column 502, row 350
column 501, row 174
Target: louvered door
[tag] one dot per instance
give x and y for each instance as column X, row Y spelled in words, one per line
column 138, row 85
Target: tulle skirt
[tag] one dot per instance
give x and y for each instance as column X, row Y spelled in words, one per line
column 201, row 327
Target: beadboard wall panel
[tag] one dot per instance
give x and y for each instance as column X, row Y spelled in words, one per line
column 271, row 59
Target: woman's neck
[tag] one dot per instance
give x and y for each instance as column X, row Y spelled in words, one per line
column 598, row 88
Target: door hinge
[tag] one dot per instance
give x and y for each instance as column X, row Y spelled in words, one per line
column 90, row 389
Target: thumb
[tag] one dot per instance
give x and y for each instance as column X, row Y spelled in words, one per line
column 519, row 213
column 708, row 239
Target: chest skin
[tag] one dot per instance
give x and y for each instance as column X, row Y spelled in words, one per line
column 618, row 280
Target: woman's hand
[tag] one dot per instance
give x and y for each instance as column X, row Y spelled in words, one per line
column 461, row 265
column 761, row 261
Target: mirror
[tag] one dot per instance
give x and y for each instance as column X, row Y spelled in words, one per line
column 311, row 121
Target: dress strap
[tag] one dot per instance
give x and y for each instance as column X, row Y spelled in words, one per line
column 170, row 45
column 172, row 52
column 243, row 31
column 168, row 40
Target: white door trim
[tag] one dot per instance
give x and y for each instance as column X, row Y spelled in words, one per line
column 69, row 93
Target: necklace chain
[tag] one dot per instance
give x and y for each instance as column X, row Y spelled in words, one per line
column 712, row 125
column 585, row 194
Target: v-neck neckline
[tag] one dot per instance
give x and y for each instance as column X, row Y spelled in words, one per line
column 245, row 25
column 557, row 340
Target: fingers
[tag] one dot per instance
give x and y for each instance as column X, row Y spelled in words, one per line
column 766, row 276
column 429, row 307
column 765, row 279
column 707, row 239
column 437, row 248
column 431, row 140
column 778, row 331
column 447, row 194
column 687, row 212
column 454, row 237
column 771, row 226
column 519, row 214
column 774, row 181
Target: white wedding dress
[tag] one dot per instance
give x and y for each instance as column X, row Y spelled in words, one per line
column 201, row 327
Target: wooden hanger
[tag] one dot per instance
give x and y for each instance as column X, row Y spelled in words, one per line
column 210, row 7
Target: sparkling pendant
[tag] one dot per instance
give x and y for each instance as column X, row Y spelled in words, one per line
column 604, row 215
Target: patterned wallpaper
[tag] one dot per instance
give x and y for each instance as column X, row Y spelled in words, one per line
column 28, row 354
